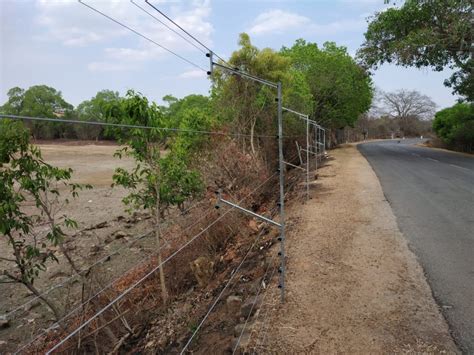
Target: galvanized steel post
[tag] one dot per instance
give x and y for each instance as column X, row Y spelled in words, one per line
column 307, row 158
column 324, row 142
column 316, row 128
column 282, row 194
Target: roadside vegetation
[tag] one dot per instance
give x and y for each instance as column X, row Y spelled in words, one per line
column 436, row 34
column 197, row 144
column 455, row 126
column 174, row 169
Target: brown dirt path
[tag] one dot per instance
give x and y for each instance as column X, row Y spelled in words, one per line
column 353, row 285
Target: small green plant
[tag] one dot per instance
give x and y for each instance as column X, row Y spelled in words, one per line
column 26, row 177
column 158, row 181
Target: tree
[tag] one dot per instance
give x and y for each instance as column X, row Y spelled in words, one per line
column 176, row 108
column 341, row 90
column 25, row 176
column 455, row 126
column 96, row 109
column 249, row 106
column 38, row 101
column 424, row 33
column 14, row 105
column 407, row 107
column 156, row 182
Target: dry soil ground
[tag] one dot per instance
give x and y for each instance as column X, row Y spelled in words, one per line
column 104, row 228
column 353, row 285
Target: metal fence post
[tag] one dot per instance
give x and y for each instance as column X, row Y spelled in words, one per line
column 282, row 195
column 316, row 129
column 324, row 142
column 307, row 158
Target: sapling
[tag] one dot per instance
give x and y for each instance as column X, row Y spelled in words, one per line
column 24, row 178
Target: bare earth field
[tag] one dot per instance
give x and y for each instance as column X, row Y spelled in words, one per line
column 104, row 227
column 353, row 285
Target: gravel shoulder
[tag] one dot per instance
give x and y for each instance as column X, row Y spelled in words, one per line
column 353, row 285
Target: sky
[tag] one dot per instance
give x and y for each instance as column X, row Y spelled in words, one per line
column 66, row 45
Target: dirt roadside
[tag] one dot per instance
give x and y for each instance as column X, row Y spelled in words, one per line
column 353, row 285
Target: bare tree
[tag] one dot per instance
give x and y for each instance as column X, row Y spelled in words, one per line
column 408, row 107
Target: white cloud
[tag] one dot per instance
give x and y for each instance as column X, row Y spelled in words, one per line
column 193, row 74
column 194, row 21
column 105, row 66
column 66, row 22
column 337, row 27
column 277, row 21
column 72, row 24
column 145, row 53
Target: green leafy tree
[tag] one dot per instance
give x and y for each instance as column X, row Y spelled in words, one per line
column 156, row 183
column 176, row 108
column 97, row 109
column 341, row 90
column 14, row 105
column 249, row 107
column 455, row 126
column 25, row 176
column 39, row 101
column 424, row 33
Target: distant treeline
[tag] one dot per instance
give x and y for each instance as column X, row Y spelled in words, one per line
column 105, row 106
column 324, row 82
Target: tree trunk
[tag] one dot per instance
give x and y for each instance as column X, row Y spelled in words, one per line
column 252, row 132
column 50, row 304
column 23, row 280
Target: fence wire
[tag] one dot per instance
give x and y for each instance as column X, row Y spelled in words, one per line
column 316, row 147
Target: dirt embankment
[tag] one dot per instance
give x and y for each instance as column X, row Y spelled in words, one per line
column 353, row 285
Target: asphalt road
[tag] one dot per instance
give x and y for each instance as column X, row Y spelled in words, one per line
column 432, row 195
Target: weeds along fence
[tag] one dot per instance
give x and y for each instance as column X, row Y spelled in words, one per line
column 115, row 286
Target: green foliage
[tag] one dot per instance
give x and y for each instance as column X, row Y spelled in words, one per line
column 434, row 33
column 25, row 176
column 340, row 89
column 100, row 108
column 156, row 182
column 455, row 125
column 39, row 101
column 176, row 109
column 249, row 107
column 186, row 142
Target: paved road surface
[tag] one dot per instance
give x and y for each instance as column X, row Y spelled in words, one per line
column 432, row 195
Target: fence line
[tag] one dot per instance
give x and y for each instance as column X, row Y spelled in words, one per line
column 143, row 36
column 182, row 29
column 234, row 272
column 110, row 284
column 280, row 171
column 105, row 124
column 124, row 293
column 130, row 126
column 168, row 27
column 70, row 278
column 100, row 261
column 118, row 278
column 220, row 295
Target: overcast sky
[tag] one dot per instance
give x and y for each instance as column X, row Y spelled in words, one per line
column 66, row 45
